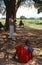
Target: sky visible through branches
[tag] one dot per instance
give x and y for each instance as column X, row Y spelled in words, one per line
column 27, row 11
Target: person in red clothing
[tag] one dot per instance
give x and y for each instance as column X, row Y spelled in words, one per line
column 24, row 52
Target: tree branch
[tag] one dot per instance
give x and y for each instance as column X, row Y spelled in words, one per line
column 6, row 2
column 38, row 1
column 18, row 4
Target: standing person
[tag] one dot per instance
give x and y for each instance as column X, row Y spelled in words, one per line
column 11, row 27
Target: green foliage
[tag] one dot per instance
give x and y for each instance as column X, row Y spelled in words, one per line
column 29, row 23
column 3, row 21
column 22, row 17
column 38, row 4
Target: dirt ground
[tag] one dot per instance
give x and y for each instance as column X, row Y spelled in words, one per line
column 7, row 47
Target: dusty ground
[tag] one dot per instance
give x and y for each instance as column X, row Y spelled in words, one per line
column 7, row 47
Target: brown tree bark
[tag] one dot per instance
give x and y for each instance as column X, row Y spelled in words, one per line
column 11, row 9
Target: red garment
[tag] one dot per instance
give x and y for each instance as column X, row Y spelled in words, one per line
column 23, row 54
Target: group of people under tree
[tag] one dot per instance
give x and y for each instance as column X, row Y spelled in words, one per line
column 27, row 50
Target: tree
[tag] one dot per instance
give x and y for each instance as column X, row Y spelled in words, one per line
column 40, row 18
column 11, row 9
column 22, row 17
column 38, row 4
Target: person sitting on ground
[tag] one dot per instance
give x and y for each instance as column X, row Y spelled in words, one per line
column 23, row 52
column 21, row 23
column 27, row 46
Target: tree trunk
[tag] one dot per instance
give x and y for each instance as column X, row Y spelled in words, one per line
column 10, row 10
column 7, row 18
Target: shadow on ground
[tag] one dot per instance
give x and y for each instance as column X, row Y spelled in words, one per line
column 7, row 46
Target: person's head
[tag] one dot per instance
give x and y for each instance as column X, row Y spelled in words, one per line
column 27, row 42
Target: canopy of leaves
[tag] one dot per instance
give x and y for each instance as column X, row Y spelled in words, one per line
column 4, row 3
column 22, row 17
column 38, row 4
